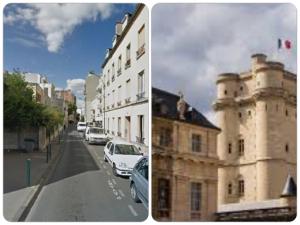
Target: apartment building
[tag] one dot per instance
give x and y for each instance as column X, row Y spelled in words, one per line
column 90, row 93
column 184, row 161
column 123, row 86
column 257, row 113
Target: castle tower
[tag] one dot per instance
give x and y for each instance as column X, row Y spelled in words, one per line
column 256, row 112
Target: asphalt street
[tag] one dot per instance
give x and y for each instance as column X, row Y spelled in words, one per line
column 83, row 188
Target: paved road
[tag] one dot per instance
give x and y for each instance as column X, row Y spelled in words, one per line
column 83, row 188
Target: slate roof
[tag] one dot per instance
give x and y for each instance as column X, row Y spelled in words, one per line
column 164, row 104
column 290, row 188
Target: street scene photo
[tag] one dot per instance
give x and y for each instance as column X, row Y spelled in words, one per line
column 224, row 112
column 76, row 102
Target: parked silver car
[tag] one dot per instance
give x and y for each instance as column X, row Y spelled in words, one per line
column 139, row 181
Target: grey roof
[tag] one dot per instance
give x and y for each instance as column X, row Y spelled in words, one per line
column 290, row 188
column 164, row 104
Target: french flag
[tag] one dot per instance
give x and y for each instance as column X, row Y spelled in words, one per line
column 287, row 44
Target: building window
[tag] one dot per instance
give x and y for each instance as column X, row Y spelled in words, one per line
column 165, row 137
column 286, row 112
column 249, row 112
column 196, row 143
column 286, row 148
column 240, row 115
column 164, row 196
column 113, row 72
column 277, row 107
column 195, row 200
column 241, row 147
column 229, row 148
column 119, row 65
column 225, row 92
column 235, row 94
column 229, row 188
column 141, row 42
column 140, row 137
column 119, row 126
column 127, row 63
column 241, row 88
column 141, row 86
column 241, row 187
column 128, row 92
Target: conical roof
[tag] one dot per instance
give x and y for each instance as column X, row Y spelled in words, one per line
column 290, row 188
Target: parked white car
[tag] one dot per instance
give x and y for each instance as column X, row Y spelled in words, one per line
column 95, row 135
column 122, row 156
column 81, row 126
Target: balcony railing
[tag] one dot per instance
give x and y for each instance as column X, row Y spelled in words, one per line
column 119, row 71
column 127, row 64
column 140, row 51
column 140, row 140
column 112, row 106
column 119, row 103
column 127, row 100
column 140, row 96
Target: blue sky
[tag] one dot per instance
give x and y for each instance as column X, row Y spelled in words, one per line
column 60, row 41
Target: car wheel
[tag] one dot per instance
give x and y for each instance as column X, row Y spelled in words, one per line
column 133, row 193
column 114, row 170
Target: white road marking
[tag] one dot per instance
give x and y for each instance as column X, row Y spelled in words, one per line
column 114, row 181
column 121, row 193
column 108, row 173
column 104, row 166
column 132, row 210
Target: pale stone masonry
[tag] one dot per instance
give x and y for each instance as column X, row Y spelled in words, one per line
column 256, row 111
column 184, row 161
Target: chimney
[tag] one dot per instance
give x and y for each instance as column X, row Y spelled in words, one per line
column 181, row 106
column 118, row 28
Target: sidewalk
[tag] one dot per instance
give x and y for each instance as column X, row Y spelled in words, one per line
column 16, row 193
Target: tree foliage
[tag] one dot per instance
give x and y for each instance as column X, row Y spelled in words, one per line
column 71, row 108
column 21, row 110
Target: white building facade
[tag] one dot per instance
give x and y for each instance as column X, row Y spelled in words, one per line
column 123, row 90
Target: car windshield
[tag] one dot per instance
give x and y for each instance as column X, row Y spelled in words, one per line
column 96, row 131
column 82, row 125
column 126, row 150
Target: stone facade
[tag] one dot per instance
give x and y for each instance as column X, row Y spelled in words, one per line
column 256, row 112
column 184, row 161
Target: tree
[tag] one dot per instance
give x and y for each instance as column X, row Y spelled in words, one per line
column 21, row 111
column 71, row 108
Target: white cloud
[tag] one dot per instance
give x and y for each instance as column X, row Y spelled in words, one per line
column 76, row 86
column 56, row 21
column 196, row 42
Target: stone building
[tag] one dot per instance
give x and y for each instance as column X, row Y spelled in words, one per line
column 184, row 161
column 123, row 91
column 256, row 111
column 91, row 83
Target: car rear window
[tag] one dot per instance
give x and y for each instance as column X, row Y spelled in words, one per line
column 126, row 150
column 96, row 131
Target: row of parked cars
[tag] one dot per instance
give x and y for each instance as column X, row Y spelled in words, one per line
column 125, row 158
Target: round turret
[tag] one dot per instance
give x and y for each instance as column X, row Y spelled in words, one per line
column 226, row 85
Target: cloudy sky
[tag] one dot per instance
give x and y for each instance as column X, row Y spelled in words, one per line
column 196, row 42
column 62, row 41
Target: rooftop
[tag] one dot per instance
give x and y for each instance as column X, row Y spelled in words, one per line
column 164, row 104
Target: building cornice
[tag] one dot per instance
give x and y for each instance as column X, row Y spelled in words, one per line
column 135, row 15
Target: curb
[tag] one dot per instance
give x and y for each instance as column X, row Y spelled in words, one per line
column 36, row 191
